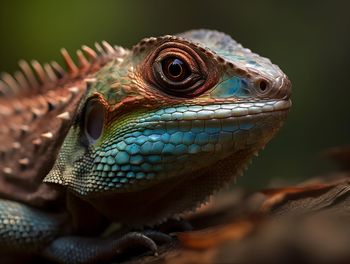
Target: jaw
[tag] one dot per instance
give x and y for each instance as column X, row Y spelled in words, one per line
column 146, row 149
column 184, row 188
column 172, row 196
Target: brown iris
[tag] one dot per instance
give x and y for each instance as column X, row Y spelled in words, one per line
column 178, row 72
column 177, row 69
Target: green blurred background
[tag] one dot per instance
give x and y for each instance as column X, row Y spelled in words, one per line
column 309, row 40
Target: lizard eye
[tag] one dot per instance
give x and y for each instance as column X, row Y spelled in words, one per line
column 94, row 120
column 178, row 71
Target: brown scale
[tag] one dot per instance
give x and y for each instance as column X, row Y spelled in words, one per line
column 37, row 106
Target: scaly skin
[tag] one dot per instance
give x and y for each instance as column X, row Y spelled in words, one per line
column 136, row 137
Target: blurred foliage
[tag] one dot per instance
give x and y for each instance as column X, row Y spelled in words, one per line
column 309, row 40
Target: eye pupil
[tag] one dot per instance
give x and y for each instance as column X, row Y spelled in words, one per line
column 263, row 85
column 175, row 67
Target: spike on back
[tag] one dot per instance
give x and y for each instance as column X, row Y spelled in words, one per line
column 38, row 104
column 34, row 77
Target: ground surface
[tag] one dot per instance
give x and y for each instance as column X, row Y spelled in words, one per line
column 307, row 223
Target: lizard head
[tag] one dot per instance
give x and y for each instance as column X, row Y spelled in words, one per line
column 171, row 121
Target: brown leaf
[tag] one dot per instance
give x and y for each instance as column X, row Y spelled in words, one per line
column 274, row 197
column 216, row 235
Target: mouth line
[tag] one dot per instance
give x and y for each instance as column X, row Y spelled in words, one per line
column 217, row 111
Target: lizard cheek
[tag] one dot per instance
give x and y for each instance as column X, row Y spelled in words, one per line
column 94, row 120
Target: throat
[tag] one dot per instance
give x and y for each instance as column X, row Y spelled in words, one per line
column 170, row 197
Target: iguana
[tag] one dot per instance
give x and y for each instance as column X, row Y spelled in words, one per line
column 129, row 136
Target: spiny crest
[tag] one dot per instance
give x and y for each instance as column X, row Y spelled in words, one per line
column 34, row 77
column 37, row 107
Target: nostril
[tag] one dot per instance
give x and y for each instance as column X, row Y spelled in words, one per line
column 263, row 85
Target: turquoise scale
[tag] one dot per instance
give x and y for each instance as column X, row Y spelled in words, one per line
column 147, row 152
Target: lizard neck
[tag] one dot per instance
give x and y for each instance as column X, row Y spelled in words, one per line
column 172, row 197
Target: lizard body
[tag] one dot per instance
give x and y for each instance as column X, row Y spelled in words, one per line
column 132, row 136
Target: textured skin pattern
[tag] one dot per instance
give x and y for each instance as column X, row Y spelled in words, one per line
column 26, row 229
column 157, row 145
column 231, row 51
column 116, row 138
column 37, row 107
column 93, row 250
